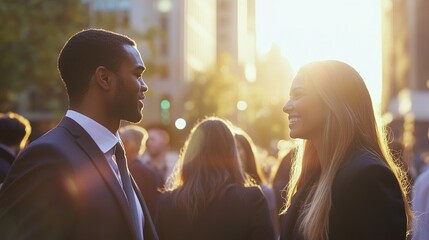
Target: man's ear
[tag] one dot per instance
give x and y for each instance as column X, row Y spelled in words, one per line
column 103, row 77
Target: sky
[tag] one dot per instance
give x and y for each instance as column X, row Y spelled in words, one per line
column 309, row 30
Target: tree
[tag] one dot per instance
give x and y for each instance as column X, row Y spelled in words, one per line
column 216, row 92
column 212, row 93
column 31, row 36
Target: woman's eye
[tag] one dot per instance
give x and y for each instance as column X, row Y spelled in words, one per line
column 297, row 95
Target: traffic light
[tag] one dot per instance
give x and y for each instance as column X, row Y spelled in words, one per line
column 165, row 106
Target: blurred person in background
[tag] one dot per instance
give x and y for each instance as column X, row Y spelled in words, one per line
column 420, row 205
column 344, row 182
column 281, row 178
column 209, row 196
column 148, row 180
column 14, row 133
column 73, row 182
column 246, row 152
column 158, row 155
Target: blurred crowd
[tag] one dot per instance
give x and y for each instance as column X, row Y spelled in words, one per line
column 99, row 175
column 151, row 162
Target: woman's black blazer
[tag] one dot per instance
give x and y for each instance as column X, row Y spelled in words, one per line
column 366, row 203
column 241, row 213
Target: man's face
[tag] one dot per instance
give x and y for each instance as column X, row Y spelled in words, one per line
column 130, row 89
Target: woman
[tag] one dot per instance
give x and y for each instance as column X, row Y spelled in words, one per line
column 207, row 196
column 344, row 183
column 246, row 153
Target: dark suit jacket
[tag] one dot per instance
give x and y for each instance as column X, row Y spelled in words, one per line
column 62, row 187
column 366, row 203
column 149, row 182
column 241, row 213
column 6, row 160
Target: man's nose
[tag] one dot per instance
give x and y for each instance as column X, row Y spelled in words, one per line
column 143, row 86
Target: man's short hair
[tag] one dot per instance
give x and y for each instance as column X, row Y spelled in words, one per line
column 14, row 129
column 84, row 52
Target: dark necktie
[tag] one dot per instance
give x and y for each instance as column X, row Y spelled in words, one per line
column 126, row 183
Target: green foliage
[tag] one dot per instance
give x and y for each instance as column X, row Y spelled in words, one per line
column 212, row 93
column 269, row 123
column 32, row 33
column 217, row 92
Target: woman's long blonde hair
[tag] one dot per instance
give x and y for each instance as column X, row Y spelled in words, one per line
column 208, row 163
column 350, row 123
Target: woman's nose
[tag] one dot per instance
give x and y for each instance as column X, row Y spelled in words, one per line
column 287, row 108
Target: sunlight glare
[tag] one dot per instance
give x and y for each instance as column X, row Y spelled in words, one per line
column 309, row 30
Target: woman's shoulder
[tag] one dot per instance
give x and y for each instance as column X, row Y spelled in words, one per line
column 238, row 189
column 246, row 194
column 232, row 190
column 363, row 161
column 364, row 168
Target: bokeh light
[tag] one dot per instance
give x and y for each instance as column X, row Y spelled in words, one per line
column 241, row 105
column 180, row 123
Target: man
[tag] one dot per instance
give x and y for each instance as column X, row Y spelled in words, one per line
column 14, row 133
column 73, row 182
column 148, row 180
column 157, row 155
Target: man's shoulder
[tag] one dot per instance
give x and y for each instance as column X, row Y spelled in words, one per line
column 55, row 136
column 57, row 141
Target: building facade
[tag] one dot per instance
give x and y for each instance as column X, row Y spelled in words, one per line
column 406, row 77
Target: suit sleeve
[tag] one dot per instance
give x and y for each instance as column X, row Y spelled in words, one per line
column 261, row 226
column 369, row 206
column 36, row 200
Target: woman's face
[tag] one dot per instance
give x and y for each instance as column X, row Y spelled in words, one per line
column 306, row 111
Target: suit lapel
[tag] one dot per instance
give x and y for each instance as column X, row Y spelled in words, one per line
column 87, row 144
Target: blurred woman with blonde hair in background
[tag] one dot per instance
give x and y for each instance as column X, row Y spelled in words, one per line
column 247, row 154
column 209, row 196
column 344, row 182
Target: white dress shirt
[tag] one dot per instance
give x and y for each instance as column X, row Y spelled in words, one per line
column 106, row 141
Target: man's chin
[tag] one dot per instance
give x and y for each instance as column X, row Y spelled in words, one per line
column 134, row 119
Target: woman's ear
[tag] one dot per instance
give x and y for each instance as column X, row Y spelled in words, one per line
column 103, row 77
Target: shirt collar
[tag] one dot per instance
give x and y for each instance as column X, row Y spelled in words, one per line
column 104, row 139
